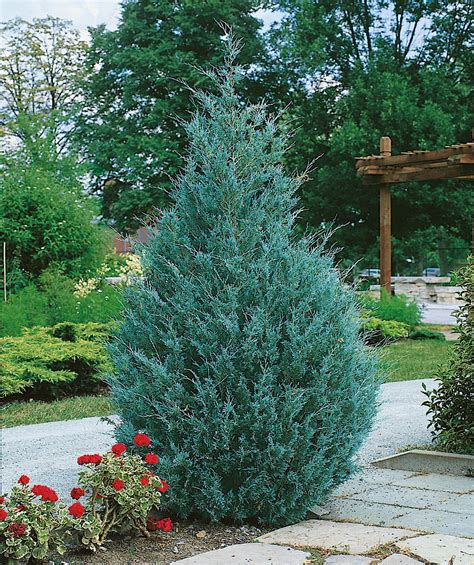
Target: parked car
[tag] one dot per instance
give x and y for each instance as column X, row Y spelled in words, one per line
column 370, row 274
column 432, row 272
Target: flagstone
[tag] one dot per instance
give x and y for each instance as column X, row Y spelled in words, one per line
column 339, row 536
column 400, row 559
column 248, row 554
column 439, row 549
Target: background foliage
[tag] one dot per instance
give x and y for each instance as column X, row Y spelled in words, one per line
column 450, row 405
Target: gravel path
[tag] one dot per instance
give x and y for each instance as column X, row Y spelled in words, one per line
column 48, row 452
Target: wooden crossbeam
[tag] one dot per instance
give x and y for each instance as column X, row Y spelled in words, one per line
column 407, row 174
column 414, row 157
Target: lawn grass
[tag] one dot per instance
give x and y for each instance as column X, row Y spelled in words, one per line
column 413, row 359
column 37, row 412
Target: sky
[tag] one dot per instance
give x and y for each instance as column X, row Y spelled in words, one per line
column 82, row 13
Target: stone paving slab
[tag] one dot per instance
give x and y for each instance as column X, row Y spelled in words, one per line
column 404, row 497
column 430, row 503
column 348, row 560
column 432, row 481
column 434, row 520
column 400, row 559
column 339, row 536
column 370, row 514
column 248, row 554
column 439, row 549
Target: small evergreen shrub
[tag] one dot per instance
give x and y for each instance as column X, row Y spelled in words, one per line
column 46, row 363
column 451, row 404
column 377, row 331
column 424, row 333
column 55, row 302
column 397, row 309
column 239, row 354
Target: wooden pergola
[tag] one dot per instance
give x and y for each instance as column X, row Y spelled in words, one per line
column 452, row 162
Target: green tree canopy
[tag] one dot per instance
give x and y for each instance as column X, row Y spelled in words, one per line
column 134, row 94
column 356, row 71
column 46, row 220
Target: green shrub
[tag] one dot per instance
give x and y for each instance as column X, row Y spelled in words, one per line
column 377, row 331
column 450, row 405
column 424, row 333
column 239, row 354
column 397, row 309
column 55, row 302
column 53, row 362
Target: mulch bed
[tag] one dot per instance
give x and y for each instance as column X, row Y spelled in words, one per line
column 185, row 540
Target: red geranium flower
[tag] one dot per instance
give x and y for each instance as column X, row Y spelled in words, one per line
column 118, row 449
column 3, row 514
column 164, row 524
column 95, row 459
column 24, row 480
column 142, row 440
column 47, row 494
column 2, row 499
column 77, row 492
column 151, row 458
column 164, row 486
column 118, row 484
column 76, row 510
column 17, row 529
column 144, row 480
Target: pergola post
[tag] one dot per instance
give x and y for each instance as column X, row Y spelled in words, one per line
column 385, row 227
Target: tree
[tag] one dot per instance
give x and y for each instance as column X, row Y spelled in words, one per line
column 46, row 220
column 133, row 102
column 38, row 66
column 239, row 354
column 356, row 71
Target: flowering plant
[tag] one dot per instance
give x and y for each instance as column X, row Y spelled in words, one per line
column 121, row 489
column 32, row 522
column 117, row 491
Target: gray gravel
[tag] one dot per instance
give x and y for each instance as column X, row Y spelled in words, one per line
column 48, row 452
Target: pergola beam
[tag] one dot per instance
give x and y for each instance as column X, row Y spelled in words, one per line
column 452, row 162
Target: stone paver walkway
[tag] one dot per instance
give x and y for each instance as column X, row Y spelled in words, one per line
column 442, row 504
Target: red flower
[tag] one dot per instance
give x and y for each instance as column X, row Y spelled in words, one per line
column 2, row 499
column 118, row 485
column 24, row 480
column 76, row 510
column 47, row 494
column 77, row 492
column 144, row 480
column 164, row 486
column 95, row 459
column 17, row 529
column 118, row 449
column 3, row 514
column 164, row 524
column 151, row 458
column 142, row 440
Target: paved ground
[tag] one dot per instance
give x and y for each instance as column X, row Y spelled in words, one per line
column 438, row 313
column 441, row 504
column 48, row 452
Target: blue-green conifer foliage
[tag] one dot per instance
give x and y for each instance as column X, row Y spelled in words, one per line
column 239, row 354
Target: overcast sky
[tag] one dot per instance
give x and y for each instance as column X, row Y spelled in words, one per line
column 83, row 13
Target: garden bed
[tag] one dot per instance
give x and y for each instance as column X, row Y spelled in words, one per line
column 185, row 540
